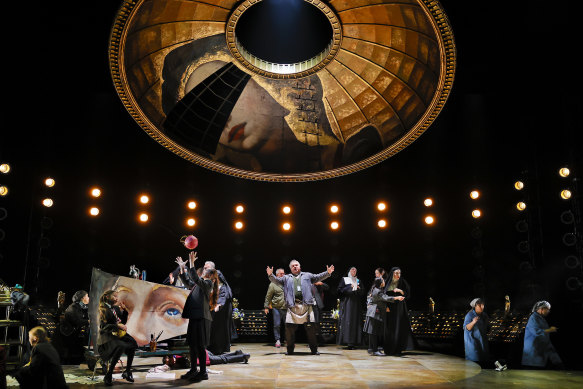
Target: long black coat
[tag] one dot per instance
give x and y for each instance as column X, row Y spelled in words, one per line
column 44, row 370
column 350, row 318
column 197, row 304
column 220, row 341
column 398, row 335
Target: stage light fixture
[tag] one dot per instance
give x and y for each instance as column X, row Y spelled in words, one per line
column 476, row 213
column 428, row 202
column 286, row 209
column 573, row 284
column 518, row 185
column 144, row 199
column 286, row 226
column 381, row 206
column 190, row 222
column 239, row 225
column 571, row 262
column 334, row 208
column 474, row 195
column 191, row 204
column 429, row 220
column 3, row 191
column 382, row 223
column 4, row 168
column 143, row 217
column 569, row 239
column 95, row 192
column 49, row 182
column 239, row 208
column 521, row 226
column 48, row 202
column 94, row 211
column 567, row 217
column 564, row 172
column 334, row 225
column 565, row 194
column 523, row 247
column 521, row 205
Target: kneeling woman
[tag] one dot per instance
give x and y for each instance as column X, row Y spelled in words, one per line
column 113, row 341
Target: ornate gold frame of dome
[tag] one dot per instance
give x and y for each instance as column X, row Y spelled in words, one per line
column 139, row 97
column 245, row 61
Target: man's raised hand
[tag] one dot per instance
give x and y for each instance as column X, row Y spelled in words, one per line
column 269, row 270
column 330, row 269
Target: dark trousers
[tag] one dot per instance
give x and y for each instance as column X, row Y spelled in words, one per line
column 195, row 336
column 233, row 357
column 290, row 336
column 125, row 345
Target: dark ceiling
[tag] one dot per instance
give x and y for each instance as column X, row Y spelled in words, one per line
column 514, row 109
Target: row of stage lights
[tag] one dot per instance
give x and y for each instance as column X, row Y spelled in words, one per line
column 286, row 225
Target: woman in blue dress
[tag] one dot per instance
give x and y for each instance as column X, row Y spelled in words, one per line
column 538, row 350
column 475, row 333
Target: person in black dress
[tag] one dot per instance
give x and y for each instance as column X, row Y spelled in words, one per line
column 398, row 335
column 112, row 340
column 350, row 314
column 44, row 369
column 203, row 295
column 222, row 315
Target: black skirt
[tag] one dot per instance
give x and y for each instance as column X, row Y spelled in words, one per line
column 198, row 332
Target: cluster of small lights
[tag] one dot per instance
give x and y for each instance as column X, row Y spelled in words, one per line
column 286, row 226
column 49, row 183
column 334, row 210
column 4, row 169
column 382, row 222
column 94, row 192
column 143, row 216
column 190, row 220
column 565, row 193
column 239, row 209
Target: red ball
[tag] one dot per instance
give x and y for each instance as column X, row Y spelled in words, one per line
column 191, row 242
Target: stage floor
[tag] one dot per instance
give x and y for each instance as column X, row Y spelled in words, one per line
column 339, row 368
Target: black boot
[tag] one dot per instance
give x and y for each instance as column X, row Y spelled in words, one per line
column 108, row 379
column 127, row 375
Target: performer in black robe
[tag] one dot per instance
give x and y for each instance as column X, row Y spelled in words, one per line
column 350, row 314
column 44, row 369
column 398, row 335
column 220, row 341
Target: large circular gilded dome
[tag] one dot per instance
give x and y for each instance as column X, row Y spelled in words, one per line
column 184, row 76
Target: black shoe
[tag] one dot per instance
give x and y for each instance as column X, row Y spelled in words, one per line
column 246, row 356
column 315, row 352
column 108, row 380
column 189, row 374
column 199, row 377
column 127, row 375
column 289, row 353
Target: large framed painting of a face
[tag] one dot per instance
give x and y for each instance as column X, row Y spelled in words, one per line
column 382, row 76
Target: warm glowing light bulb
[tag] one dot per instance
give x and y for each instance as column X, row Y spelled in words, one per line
column 382, row 223
column 334, row 209
column 521, row 206
column 238, row 225
column 476, row 213
column 334, row 225
column 4, row 168
column 144, row 199
column 381, row 206
column 428, row 202
column 94, row 211
column 286, row 209
column 95, row 192
column 190, row 222
column 286, row 226
column 3, row 191
column 144, row 217
column 239, row 209
column 429, row 220
column 518, row 185
column 48, row 202
column 565, row 194
column 474, row 194
column 191, row 205
column 50, row 182
column 564, row 172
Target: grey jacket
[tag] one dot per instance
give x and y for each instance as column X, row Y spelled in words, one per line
column 306, row 281
column 378, row 304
